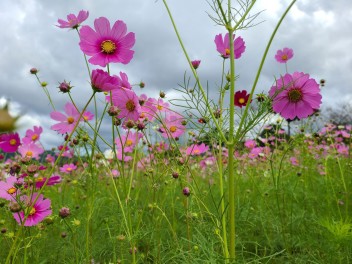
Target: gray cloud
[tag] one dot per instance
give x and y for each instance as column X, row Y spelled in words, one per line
column 318, row 32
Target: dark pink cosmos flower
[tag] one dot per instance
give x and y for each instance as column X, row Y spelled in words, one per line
column 127, row 101
column 73, row 21
column 32, row 135
column 66, row 122
column 39, row 181
column 107, row 44
column 36, row 212
column 9, row 142
column 295, row 96
column 284, row 55
column 195, row 64
column 241, row 98
column 103, row 82
column 223, row 46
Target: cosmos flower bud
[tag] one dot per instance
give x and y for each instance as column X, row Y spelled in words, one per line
column 141, row 84
column 186, row 191
column 113, row 110
column 64, row 212
column 15, row 207
column 195, row 64
column 33, row 70
column 65, row 87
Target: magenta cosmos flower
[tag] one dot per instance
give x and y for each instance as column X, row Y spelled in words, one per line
column 241, row 98
column 36, row 211
column 284, row 55
column 66, row 122
column 103, row 82
column 9, row 142
column 295, row 96
column 195, row 64
column 128, row 103
column 107, row 44
column 73, row 21
column 223, row 46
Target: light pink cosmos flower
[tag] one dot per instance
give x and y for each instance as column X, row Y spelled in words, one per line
column 251, row 143
column 294, row 161
column 107, row 44
column 32, row 135
column 223, row 46
column 36, row 211
column 8, row 190
column 66, row 122
column 127, row 101
column 284, row 55
column 128, row 142
column 195, row 149
column 9, row 142
column 295, row 96
column 103, row 82
column 73, row 21
column 68, row 168
column 173, row 125
column 31, row 150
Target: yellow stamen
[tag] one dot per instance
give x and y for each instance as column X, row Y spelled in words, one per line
column 29, row 153
column 173, row 129
column 70, row 120
column 33, row 211
column 12, row 190
column 284, row 57
column 129, row 142
column 35, row 137
column 130, row 106
column 241, row 100
column 108, row 47
column 13, row 142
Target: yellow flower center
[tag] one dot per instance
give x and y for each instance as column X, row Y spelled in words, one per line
column 108, row 47
column 241, row 100
column 295, row 95
column 35, row 137
column 69, row 169
column 39, row 179
column 173, row 129
column 29, row 153
column 196, row 151
column 160, row 107
column 12, row 190
column 284, row 57
column 13, row 142
column 227, row 51
column 33, row 211
column 130, row 106
column 129, row 142
column 70, row 120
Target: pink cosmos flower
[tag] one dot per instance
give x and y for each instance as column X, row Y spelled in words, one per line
column 223, row 46
column 284, row 55
column 294, row 161
column 107, row 44
column 128, row 142
column 32, row 135
column 73, row 21
column 36, row 211
column 9, row 142
column 148, row 108
column 31, row 150
column 127, row 101
column 173, row 125
column 103, row 82
column 195, row 149
column 66, row 122
column 241, row 98
column 123, row 81
column 87, row 116
column 295, row 95
column 250, row 144
column 8, row 189
column 68, row 168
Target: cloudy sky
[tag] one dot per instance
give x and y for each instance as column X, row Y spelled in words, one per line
column 318, row 32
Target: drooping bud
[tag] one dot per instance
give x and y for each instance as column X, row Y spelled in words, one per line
column 33, row 70
column 65, row 87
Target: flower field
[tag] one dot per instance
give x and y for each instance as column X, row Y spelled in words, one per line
column 244, row 177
